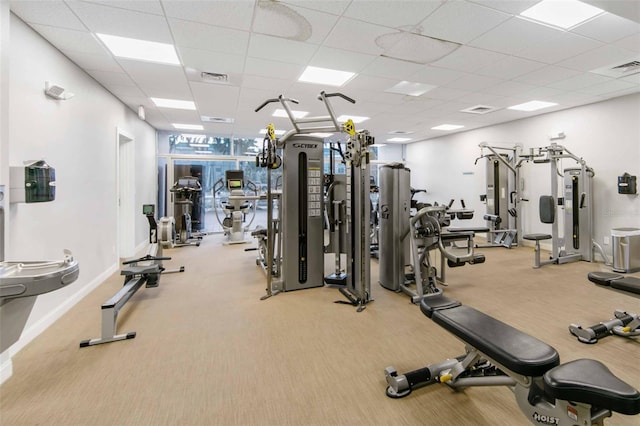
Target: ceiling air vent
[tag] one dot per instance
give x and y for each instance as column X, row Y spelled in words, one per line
column 479, row 109
column 209, row 119
column 214, row 77
column 619, row 70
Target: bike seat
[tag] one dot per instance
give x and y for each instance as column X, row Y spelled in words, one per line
column 589, row 381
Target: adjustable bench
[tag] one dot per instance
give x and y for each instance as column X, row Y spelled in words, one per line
column 617, row 281
column 581, row 392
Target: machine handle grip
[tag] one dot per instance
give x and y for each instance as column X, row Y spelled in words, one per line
column 265, row 103
column 145, row 258
column 342, row 95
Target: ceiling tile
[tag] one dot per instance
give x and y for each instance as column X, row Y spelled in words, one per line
column 446, row 93
column 547, row 75
column 508, row 6
column 356, row 36
column 180, row 115
column 215, row 99
column 329, row 57
column 125, row 91
column 597, row 58
column 278, row 49
column 121, row 22
column 435, row 75
column 608, row 87
column 579, row 82
column 460, row 21
column 629, row 9
column 631, row 43
column 206, row 60
column 72, row 40
column 391, row 68
column 51, row 13
column 562, row 46
column 291, row 22
column 208, row 37
column 514, row 35
column 87, row 61
column 510, row 88
column 112, row 78
column 608, row 28
column 468, row 59
column 158, row 80
column 146, row 6
column 256, row 82
column 334, row 7
column 473, row 82
column 393, row 14
column 509, row 68
column 273, row 69
column 235, row 14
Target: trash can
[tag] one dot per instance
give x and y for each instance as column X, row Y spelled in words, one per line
column 626, row 249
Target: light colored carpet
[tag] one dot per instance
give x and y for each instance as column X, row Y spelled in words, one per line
column 209, row 352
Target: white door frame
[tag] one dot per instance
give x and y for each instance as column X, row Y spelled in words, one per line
column 125, row 192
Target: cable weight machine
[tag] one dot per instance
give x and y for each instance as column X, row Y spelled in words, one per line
column 295, row 249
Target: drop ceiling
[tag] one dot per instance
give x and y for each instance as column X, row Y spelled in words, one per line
column 498, row 59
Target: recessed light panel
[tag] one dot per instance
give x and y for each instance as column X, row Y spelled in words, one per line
column 188, row 126
column 296, row 114
column 563, row 14
column 353, row 118
column 321, row 135
column 410, row 88
column 141, row 50
column 532, row 106
column 447, row 127
column 398, row 140
column 173, row 103
column 325, row 76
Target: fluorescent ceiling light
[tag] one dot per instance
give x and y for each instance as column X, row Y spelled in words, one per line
column 447, row 127
column 564, row 14
column 296, row 114
column 398, row 139
column 378, row 145
column 410, row 88
column 321, row 135
column 353, row 118
column 173, row 103
column 277, row 132
column 325, row 76
column 141, row 50
column 199, row 145
column 532, row 106
column 192, row 136
column 188, row 126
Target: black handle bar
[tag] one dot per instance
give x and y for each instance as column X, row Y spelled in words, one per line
column 278, row 99
column 145, row 258
column 330, row 95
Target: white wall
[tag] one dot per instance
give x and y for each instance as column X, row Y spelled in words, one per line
column 78, row 138
column 605, row 134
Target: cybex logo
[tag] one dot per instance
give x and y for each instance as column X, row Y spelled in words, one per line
column 305, row 145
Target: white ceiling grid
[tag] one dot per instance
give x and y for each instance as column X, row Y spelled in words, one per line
column 264, row 46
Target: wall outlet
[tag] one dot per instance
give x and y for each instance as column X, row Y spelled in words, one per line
column 606, row 240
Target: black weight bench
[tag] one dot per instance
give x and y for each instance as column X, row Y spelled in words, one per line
column 617, row 281
column 581, row 392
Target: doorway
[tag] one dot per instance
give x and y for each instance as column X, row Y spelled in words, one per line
column 126, row 194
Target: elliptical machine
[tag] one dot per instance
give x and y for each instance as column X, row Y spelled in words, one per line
column 180, row 233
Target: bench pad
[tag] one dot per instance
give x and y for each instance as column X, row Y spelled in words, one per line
column 630, row 284
column 589, row 381
column 603, row 278
column 513, row 349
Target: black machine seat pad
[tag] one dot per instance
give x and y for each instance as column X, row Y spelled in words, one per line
column 603, row 278
column 630, row 284
column 537, row 237
column 479, row 229
column 139, row 270
column 513, row 349
column 432, row 303
column 589, row 381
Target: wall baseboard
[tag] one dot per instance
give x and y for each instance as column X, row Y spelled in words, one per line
column 6, row 367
